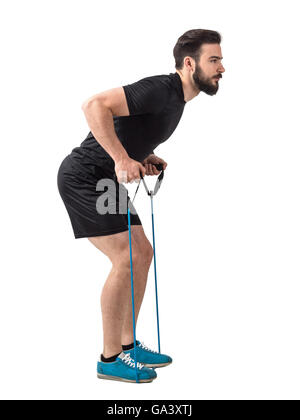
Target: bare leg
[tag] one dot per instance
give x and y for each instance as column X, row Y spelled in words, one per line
column 140, row 276
column 116, row 293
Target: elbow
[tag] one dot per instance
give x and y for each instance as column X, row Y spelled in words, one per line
column 85, row 105
column 88, row 104
column 91, row 105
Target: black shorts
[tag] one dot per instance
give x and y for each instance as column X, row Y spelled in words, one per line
column 78, row 190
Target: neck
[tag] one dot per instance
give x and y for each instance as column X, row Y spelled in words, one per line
column 189, row 89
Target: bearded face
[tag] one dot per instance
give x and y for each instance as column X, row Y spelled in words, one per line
column 209, row 85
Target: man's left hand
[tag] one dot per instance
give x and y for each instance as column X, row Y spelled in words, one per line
column 149, row 164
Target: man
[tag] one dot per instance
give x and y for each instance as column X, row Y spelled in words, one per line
column 127, row 123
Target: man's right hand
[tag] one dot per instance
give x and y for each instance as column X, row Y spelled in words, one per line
column 128, row 170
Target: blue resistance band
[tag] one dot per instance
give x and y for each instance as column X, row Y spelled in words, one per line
column 151, row 194
column 132, row 296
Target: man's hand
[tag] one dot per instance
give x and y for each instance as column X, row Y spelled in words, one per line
column 128, row 170
column 149, row 164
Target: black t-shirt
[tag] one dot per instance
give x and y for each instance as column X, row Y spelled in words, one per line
column 155, row 104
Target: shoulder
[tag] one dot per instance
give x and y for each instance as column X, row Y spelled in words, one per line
column 162, row 81
column 149, row 94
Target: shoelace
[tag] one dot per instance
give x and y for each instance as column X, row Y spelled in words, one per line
column 142, row 345
column 129, row 361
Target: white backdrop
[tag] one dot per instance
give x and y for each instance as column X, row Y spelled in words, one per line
column 227, row 215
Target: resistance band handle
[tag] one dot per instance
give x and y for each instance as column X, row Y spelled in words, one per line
column 159, row 167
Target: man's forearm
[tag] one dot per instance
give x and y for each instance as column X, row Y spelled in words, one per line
column 100, row 121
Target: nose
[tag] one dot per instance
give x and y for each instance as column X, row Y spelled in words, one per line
column 221, row 69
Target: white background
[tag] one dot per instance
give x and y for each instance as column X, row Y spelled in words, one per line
column 227, row 215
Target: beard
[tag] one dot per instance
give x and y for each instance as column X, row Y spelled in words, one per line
column 205, row 84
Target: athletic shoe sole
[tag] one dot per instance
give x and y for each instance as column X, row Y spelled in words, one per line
column 116, row 378
column 157, row 366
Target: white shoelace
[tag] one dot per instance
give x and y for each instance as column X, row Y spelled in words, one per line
column 129, row 361
column 147, row 348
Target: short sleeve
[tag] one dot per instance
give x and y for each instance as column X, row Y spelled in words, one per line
column 147, row 96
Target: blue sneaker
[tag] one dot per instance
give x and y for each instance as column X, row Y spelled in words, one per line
column 149, row 358
column 123, row 369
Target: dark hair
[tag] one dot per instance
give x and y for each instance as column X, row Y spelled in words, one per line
column 190, row 44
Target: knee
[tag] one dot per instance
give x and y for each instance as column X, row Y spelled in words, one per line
column 141, row 257
column 123, row 260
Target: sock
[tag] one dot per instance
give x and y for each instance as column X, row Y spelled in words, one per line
column 129, row 346
column 109, row 359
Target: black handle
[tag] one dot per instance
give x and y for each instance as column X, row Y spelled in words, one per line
column 159, row 167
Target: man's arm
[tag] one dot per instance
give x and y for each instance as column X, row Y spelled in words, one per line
column 99, row 111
